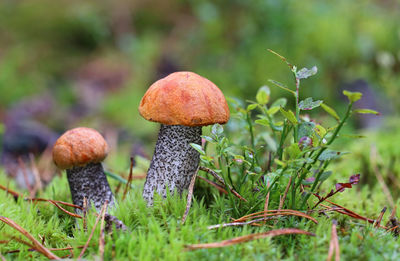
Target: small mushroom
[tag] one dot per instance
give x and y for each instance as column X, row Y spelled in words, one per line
column 182, row 102
column 80, row 151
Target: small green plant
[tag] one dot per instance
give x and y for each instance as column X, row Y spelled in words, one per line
column 279, row 149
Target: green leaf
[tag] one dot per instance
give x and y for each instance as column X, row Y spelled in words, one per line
column 217, row 129
column 306, row 129
column 305, row 73
column 263, row 94
column 352, row 96
column 331, row 111
column 293, row 151
column 208, row 138
column 320, row 130
column 206, row 159
column 281, row 102
column 251, row 107
column 309, row 104
column 279, row 162
column 263, row 122
column 282, row 86
column 198, row 148
column 366, row 111
column 289, row 115
column 330, row 155
column 271, row 111
column 325, row 175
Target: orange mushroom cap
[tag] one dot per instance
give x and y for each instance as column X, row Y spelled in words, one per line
column 184, row 98
column 79, row 147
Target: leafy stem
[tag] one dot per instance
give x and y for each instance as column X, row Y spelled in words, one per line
column 346, row 116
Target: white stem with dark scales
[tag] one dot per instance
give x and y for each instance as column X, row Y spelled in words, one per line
column 174, row 161
column 90, row 182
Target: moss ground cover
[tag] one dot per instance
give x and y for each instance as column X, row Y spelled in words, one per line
column 269, row 150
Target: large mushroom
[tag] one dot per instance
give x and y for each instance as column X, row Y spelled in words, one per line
column 182, row 102
column 80, row 151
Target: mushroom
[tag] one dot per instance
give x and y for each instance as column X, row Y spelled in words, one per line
column 80, row 151
column 182, row 102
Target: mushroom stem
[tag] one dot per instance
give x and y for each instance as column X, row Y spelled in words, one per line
column 174, row 161
column 89, row 181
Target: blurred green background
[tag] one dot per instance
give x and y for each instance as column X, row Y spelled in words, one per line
column 70, row 63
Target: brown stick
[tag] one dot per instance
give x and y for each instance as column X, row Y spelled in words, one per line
column 42, row 249
column 378, row 221
column 221, row 180
column 241, row 223
column 267, row 199
column 103, row 209
column 189, row 196
column 85, row 208
column 285, row 193
column 212, row 183
column 285, row 212
column 242, row 239
column 128, row 184
column 335, row 241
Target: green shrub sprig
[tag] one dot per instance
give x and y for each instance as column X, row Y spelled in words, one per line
column 279, row 145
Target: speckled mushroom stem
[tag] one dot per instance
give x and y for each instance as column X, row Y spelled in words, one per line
column 90, row 182
column 174, row 161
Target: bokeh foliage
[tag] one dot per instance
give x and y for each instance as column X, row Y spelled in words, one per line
column 43, row 43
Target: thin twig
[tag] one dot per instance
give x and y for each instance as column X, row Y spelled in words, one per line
column 267, row 198
column 391, row 229
column 334, row 244
column 282, row 200
column 330, row 251
column 64, row 210
column 212, row 183
column 128, row 184
column 378, row 221
column 346, row 211
column 282, row 212
column 221, row 180
column 240, row 223
column 246, row 238
column 285, row 194
column 56, row 201
column 85, row 208
column 103, row 209
column 12, row 192
column 189, row 196
column 350, row 213
column 42, row 249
